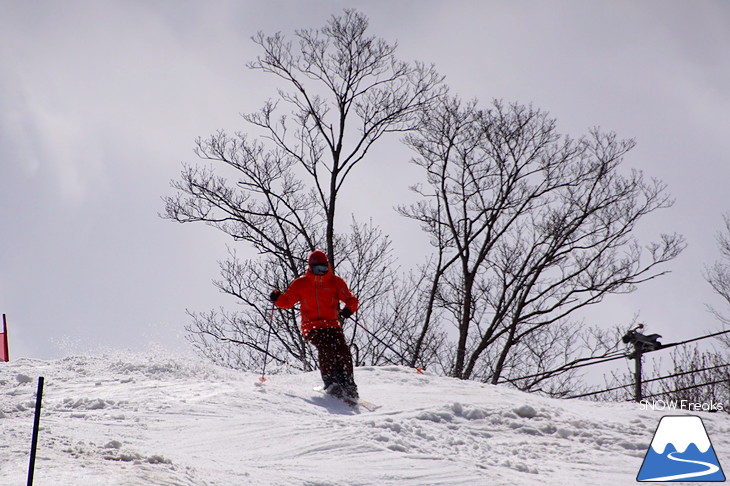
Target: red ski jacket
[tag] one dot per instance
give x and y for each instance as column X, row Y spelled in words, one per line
column 320, row 297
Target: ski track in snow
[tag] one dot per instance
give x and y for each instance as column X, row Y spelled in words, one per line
column 153, row 419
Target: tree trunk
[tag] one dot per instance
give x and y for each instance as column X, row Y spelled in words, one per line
column 464, row 327
column 499, row 367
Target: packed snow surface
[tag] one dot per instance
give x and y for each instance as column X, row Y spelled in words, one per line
column 155, row 419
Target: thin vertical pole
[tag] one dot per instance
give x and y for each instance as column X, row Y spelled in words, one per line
column 268, row 339
column 36, row 425
column 4, row 344
column 638, row 395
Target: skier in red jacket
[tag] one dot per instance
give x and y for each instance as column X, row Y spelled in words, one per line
column 319, row 293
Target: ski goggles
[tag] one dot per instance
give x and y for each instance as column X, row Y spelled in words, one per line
column 320, row 269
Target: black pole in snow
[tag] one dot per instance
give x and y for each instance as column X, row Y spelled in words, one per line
column 36, row 425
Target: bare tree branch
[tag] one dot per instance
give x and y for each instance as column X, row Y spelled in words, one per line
column 530, row 226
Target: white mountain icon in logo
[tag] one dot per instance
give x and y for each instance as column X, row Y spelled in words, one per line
column 680, row 451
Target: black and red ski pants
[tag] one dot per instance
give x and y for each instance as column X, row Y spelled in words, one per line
column 335, row 360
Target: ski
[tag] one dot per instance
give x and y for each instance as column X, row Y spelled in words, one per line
column 369, row 406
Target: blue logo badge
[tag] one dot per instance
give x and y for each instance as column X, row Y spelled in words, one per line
column 681, row 451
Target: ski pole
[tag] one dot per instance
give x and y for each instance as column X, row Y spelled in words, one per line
column 403, row 359
column 268, row 339
column 36, row 427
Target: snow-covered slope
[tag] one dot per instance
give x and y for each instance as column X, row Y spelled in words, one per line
column 153, row 419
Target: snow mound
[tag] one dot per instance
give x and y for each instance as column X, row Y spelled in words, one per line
column 155, row 419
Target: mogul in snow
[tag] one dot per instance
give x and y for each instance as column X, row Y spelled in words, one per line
column 319, row 293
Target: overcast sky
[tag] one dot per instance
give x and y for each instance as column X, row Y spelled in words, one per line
column 100, row 103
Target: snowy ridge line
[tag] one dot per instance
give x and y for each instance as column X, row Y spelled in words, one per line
column 155, row 419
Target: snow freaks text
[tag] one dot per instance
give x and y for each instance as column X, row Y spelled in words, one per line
column 681, row 405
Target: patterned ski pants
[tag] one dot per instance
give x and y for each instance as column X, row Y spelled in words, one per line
column 335, row 360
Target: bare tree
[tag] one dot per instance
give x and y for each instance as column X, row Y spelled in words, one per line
column 278, row 193
column 697, row 381
column 397, row 324
column 270, row 209
column 553, row 359
column 718, row 275
column 703, row 377
column 529, row 226
column 697, row 377
column 348, row 90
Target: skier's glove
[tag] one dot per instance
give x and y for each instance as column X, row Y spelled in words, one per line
column 273, row 296
column 345, row 313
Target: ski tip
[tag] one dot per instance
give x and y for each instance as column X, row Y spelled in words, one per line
column 369, row 406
